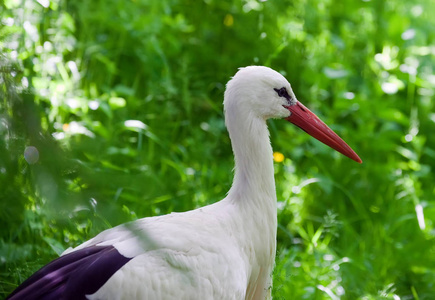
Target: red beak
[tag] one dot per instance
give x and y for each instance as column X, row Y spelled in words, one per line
column 311, row 124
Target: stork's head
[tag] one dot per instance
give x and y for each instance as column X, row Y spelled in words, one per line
column 264, row 93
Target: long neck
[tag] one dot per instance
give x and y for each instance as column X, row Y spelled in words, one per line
column 254, row 176
column 253, row 195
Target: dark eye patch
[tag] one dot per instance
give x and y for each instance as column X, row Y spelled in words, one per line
column 282, row 92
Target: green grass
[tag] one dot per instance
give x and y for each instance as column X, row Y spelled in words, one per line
column 73, row 73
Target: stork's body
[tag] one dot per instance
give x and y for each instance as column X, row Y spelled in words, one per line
column 222, row 251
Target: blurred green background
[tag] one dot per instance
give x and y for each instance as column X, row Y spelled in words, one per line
column 112, row 111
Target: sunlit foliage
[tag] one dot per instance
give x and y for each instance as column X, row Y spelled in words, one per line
column 111, row 111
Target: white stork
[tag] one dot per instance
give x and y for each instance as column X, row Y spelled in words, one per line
column 221, row 251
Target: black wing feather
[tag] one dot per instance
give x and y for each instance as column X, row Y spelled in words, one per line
column 72, row 276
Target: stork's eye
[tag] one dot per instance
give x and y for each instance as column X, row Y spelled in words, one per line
column 282, row 92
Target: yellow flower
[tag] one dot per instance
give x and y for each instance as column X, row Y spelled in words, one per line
column 228, row 20
column 278, row 157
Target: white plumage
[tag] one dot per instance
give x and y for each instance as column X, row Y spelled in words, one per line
column 222, row 251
